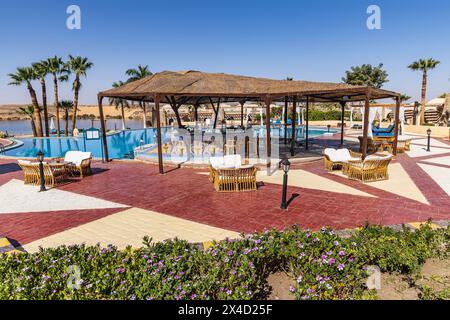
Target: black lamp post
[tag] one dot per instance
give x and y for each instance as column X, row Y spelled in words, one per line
column 328, row 127
column 429, row 137
column 40, row 158
column 285, row 163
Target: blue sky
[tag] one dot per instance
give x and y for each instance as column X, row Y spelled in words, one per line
column 309, row 40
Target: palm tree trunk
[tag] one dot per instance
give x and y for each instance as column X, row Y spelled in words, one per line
column 424, row 96
column 76, row 89
column 177, row 115
column 123, row 117
column 55, row 88
column 44, row 106
column 66, row 126
column 33, row 126
column 36, row 111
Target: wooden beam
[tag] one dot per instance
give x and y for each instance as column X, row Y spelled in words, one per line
column 286, row 105
column 397, row 124
column 343, row 103
column 242, row 113
column 158, row 135
column 294, row 114
column 216, row 111
column 268, row 142
column 102, row 123
column 307, row 124
column 366, row 125
column 196, row 112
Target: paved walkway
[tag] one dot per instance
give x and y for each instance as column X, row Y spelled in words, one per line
column 123, row 201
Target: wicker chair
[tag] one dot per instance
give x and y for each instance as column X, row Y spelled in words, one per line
column 372, row 146
column 235, row 180
column 80, row 162
column 53, row 174
column 369, row 170
column 30, row 172
column 338, row 159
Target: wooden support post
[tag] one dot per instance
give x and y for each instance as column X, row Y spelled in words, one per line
column 242, row 113
column 294, row 113
column 268, row 142
column 342, row 122
column 366, row 125
column 102, row 124
column 307, row 124
column 397, row 124
column 158, row 134
column 286, row 105
column 196, row 112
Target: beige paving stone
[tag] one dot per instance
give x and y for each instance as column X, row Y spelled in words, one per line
column 16, row 197
column 420, row 151
column 441, row 160
column 439, row 174
column 399, row 183
column 305, row 179
column 129, row 227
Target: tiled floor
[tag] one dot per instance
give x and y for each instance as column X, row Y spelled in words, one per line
column 324, row 199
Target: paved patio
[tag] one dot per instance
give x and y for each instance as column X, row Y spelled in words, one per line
column 123, row 201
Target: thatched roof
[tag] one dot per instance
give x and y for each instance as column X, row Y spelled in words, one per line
column 192, row 87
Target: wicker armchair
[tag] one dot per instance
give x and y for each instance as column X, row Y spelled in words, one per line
column 369, row 170
column 338, row 159
column 30, row 172
column 372, row 146
column 53, row 174
column 80, row 162
column 235, row 180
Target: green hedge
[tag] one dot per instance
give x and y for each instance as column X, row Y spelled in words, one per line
column 316, row 115
column 321, row 264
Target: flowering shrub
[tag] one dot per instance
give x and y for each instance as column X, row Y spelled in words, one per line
column 401, row 251
column 323, row 265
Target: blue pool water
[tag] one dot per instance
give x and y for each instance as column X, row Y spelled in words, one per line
column 120, row 145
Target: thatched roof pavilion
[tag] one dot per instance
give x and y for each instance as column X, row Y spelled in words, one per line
column 195, row 88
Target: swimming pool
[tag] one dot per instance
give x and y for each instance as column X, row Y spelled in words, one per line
column 120, row 145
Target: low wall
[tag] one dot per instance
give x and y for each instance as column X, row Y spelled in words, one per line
column 440, row 132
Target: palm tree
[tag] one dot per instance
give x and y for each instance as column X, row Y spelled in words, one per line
column 404, row 97
column 66, row 106
column 423, row 65
column 25, row 76
column 78, row 66
column 41, row 70
column 29, row 112
column 119, row 103
column 136, row 74
column 57, row 68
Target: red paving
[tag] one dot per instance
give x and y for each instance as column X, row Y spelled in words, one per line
column 184, row 193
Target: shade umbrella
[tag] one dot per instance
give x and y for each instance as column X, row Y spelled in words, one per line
column 52, row 124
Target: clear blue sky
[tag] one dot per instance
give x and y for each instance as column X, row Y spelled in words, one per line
column 312, row 40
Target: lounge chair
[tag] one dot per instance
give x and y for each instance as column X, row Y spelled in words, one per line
column 81, row 162
column 383, row 132
column 338, row 159
column 373, row 168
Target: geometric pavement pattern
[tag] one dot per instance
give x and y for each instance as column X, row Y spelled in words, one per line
column 123, row 201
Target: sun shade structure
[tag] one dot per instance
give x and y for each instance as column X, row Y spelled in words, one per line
column 195, row 88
